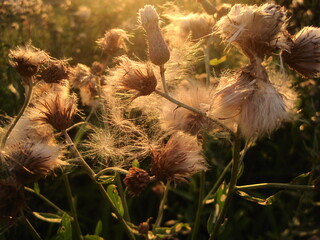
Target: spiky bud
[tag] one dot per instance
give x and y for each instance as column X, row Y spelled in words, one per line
column 55, row 72
column 158, row 50
column 113, row 41
column 136, row 180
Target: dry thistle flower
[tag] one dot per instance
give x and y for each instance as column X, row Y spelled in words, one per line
column 27, row 59
column 97, row 68
column 137, row 180
column 178, row 159
column 193, row 26
column 58, row 110
column 182, row 119
column 304, row 55
column 143, row 228
column 159, row 52
column 55, row 72
column 113, row 41
column 29, row 161
column 257, row 30
column 12, row 200
column 142, row 80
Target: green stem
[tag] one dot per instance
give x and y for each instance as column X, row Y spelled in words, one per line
column 111, row 169
column 103, row 191
column 276, row 185
column 163, row 79
column 122, row 194
column 32, row 230
column 218, row 182
column 46, row 200
column 196, row 226
column 180, row 104
column 162, row 204
column 72, row 206
column 206, row 51
column 231, row 188
column 81, row 130
column 29, row 92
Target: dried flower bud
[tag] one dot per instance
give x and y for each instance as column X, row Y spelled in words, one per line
column 58, row 110
column 113, row 41
column 55, row 72
column 143, row 228
column 139, row 79
column 304, row 55
column 179, row 159
column 12, row 200
column 97, row 68
column 136, row 180
column 30, row 161
column 159, row 52
column 223, row 10
column 27, row 60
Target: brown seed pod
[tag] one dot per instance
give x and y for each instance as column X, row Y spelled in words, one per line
column 136, row 180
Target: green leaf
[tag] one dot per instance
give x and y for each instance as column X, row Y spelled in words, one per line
column 261, row 201
column 36, row 188
column 98, row 229
column 219, row 201
column 216, row 61
column 115, row 198
column 92, row 237
column 106, row 179
column 48, row 217
column 135, row 163
column 65, row 230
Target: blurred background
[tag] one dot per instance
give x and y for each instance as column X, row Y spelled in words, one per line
column 69, row 29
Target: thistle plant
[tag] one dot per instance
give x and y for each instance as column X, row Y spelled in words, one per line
column 128, row 126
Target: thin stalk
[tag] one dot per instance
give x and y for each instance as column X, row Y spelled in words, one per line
column 31, row 229
column 103, row 191
column 111, row 169
column 206, row 52
column 162, row 204
column 231, row 188
column 29, row 92
column 276, row 185
column 72, row 206
column 197, row 220
column 81, row 131
column 163, row 79
column 218, row 182
column 122, row 194
column 46, row 200
column 180, row 104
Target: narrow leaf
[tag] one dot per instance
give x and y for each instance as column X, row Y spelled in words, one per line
column 115, row 198
column 36, row 188
column 217, row 61
column 92, row 237
column 98, row 229
column 65, row 230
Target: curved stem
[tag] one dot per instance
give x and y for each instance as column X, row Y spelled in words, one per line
column 180, row 104
column 29, row 91
column 163, row 79
column 218, row 182
column 276, row 185
column 46, row 200
column 196, row 225
column 162, row 204
column 206, row 52
column 103, row 191
column 72, row 206
column 31, row 229
column 232, row 186
column 111, row 169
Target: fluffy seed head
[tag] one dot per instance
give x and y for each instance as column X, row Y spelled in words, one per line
column 255, row 29
column 113, row 40
column 12, row 200
column 27, row 59
column 58, row 110
column 182, row 119
column 178, row 159
column 158, row 50
column 29, row 161
column 304, row 55
column 55, row 72
column 136, row 180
